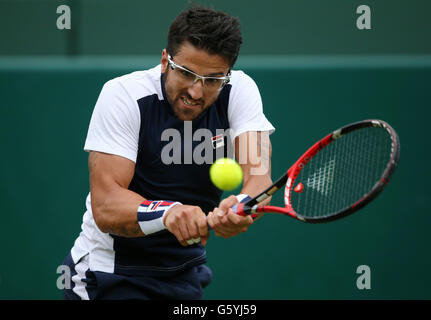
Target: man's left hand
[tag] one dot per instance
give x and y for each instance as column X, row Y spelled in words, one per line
column 225, row 222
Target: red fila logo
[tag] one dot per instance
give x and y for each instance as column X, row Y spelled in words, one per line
column 217, row 141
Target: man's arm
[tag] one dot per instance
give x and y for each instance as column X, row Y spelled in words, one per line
column 253, row 152
column 115, row 207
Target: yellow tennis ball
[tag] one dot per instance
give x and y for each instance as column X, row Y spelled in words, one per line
column 226, row 174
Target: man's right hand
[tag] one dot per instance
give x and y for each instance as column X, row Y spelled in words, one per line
column 187, row 223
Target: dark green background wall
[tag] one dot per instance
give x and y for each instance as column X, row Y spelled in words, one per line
column 312, row 66
column 113, row 27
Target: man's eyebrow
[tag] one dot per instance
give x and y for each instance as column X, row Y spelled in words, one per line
column 214, row 74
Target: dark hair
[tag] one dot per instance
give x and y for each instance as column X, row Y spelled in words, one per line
column 213, row 31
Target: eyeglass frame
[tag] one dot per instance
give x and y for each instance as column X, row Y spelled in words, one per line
column 198, row 77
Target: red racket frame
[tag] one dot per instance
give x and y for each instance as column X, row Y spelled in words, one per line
column 251, row 207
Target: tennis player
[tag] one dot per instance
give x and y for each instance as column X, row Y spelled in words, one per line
column 146, row 225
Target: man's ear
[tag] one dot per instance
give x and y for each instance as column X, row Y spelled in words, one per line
column 164, row 60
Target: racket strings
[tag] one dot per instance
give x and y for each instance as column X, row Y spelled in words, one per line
column 342, row 173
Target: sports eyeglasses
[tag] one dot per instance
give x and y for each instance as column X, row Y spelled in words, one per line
column 189, row 77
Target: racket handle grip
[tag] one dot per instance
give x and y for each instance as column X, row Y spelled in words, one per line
column 239, row 209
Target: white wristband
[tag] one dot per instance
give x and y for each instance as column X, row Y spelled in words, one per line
column 242, row 196
column 151, row 213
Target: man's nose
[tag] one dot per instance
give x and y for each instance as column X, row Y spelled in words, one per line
column 196, row 90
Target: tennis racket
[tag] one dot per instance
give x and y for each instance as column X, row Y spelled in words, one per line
column 337, row 176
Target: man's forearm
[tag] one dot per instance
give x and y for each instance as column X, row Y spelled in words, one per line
column 114, row 206
column 255, row 185
column 117, row 212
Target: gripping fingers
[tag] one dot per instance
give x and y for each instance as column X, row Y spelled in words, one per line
column 239, row 220
column 198, row 230
column 188, row 224
column 190, row 232
column 193, row 241
column 228, row 224
column 178, row 234
column 186, row 233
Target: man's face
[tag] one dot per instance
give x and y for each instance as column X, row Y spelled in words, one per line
column 189, row 100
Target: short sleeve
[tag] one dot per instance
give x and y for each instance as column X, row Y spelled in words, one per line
column 245, row 110
column 115, row 123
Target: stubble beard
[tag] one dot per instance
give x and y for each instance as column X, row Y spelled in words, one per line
column 176, row 104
